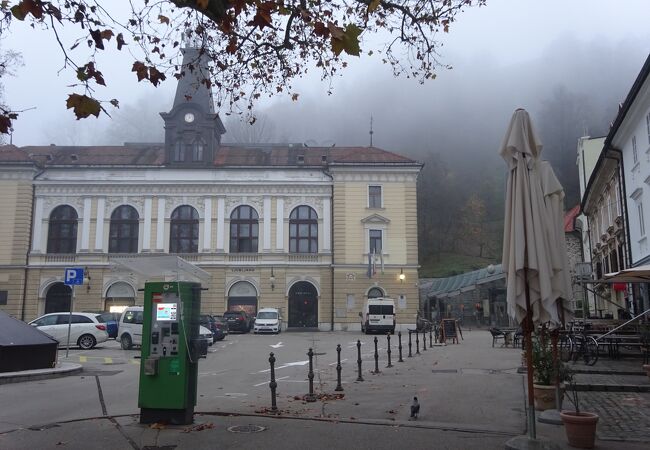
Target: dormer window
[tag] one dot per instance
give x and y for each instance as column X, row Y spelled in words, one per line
column 197, row 150
column 179, row 151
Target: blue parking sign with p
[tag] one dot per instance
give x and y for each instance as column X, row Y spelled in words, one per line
column 73, row 275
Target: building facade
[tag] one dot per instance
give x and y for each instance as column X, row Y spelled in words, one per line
column 311, row 231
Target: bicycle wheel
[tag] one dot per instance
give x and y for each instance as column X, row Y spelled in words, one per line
column 564, row 348
column 591, row 351
column 577, row 346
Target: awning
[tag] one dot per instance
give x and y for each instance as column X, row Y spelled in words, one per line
column 163, row 267
column 458, row 284
column 639, row 274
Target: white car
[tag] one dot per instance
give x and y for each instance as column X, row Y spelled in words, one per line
column 85, row 330
column 268, row 320
column 129, row 331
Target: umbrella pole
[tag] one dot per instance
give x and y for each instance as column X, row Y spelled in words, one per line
column 556, row 365
column 528, row 329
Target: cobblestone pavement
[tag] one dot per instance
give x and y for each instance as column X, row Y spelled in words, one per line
column 623, row 415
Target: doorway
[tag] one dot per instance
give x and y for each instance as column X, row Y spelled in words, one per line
column 58, row 298
column 303, row 305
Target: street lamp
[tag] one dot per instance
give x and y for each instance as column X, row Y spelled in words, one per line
column 402, row 277
column 272, row 280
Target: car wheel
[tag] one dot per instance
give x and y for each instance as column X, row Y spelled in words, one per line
column 86, row 341
column 126, row 342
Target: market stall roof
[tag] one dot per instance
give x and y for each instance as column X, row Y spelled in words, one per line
column 456, row 285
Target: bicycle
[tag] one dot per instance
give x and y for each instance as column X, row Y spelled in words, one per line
column 575, row 344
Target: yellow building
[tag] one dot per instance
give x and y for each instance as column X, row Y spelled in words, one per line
column 312, row 231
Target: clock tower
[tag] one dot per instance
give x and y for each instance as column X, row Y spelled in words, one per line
column 192, row 128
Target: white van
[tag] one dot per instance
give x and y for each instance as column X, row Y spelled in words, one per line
column 129, row 328
column 378, row 315
column 268, row 320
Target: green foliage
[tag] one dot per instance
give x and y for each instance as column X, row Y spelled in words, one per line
column 545, row 368
column 449, row 264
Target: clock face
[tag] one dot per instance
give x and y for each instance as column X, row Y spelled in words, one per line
column 189, row 117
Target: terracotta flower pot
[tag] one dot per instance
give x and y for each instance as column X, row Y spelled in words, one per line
column 580, row 428
column 544, row 397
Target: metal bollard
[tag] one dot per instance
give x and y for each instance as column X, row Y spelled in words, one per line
column 431, row 337
column 417, row 342
column 311, row 397
column 388, row 351
column 399, row 339
column 359, row 378
column 338, row 368
column 410, row 354
column 273, row 385
column 424, row 341
column 376, row 357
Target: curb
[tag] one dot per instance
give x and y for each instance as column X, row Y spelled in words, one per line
column 612, row 387
column 63, row 370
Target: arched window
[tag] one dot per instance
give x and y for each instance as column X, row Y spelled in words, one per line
column 375, row 293
column 184, row 232
column 62, row 231
column 244, row 230
column 303, row 230
column 123, row 235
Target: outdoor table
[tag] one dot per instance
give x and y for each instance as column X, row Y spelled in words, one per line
column 614, row 341
column 508, row 334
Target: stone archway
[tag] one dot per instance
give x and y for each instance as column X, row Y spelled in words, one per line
column 119, row 296
column 303, row 305
column 58, row 298
column 242, row 296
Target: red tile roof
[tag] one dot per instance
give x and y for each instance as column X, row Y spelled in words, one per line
column 225, row 156
column 12, row 154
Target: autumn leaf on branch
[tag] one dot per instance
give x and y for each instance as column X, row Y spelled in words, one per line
column 83, row 106
column 347, row 41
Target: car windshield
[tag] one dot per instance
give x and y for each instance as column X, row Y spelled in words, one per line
column 267, row 315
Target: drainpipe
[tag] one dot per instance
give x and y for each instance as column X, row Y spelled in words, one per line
column 29, row 245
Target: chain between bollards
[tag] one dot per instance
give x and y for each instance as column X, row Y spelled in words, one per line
column 424, row 341
column 376, row 357
column 273, row 385
column 399, row 339
column 311, row 397
column 417, row 342
column 338, row 368
column 410, row 346
column 359, row 378
column 388, row 351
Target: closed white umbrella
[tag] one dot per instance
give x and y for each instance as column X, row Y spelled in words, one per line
column 534, row 253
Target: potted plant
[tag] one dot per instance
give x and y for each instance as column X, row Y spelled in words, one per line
column 580, row 426
column 544, row 374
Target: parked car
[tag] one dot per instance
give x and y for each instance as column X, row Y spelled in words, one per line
column 217, row 326
column 129, row 331
column 222, row 324
column 206, row 334
column 111, row 320
column 268, row 320
column 85, row 330
column 238, row 321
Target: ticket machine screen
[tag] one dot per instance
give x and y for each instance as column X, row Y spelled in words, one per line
column 166, row 312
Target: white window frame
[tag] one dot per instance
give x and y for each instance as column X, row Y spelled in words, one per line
column 381, row 196
column 639, row 208
column 647, row 124
column 635, row 153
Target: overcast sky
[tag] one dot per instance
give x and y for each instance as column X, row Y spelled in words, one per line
column 503, row 55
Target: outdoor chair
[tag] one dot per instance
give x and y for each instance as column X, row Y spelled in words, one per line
column 497, row 334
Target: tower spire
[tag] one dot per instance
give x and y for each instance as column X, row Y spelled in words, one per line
column 371, row 132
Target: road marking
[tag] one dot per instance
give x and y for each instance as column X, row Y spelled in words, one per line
column 235, row 394
column 83, row 359
column 135, row 361
column 297, row 363
column 266, row 382
column 333, row 364
column 278, row 345
column 108, row 360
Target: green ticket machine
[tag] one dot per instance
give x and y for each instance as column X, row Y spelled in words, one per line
column 171, row 349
